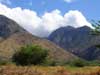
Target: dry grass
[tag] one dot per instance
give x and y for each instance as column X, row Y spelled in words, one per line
column 40, row 70
column 31, row 70
column 86, row 71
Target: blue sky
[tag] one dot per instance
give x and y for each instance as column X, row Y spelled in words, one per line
column 41, row 17
column 90, row 8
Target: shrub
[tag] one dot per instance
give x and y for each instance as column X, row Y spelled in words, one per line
column 79, row 63
column 30, row 54
column 2, row 62
column 94, row 63
column 49, row 62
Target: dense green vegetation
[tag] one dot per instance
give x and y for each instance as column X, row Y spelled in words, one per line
column 82, row 63
column 30, row 54
column 96, row 25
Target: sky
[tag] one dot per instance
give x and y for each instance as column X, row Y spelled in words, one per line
column 41, row 17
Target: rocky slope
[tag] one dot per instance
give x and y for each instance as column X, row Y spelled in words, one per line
column 8, row 27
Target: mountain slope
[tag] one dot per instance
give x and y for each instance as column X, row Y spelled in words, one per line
column 15, row 37
column 8, row 27
column 77, row 40
column 15, row 41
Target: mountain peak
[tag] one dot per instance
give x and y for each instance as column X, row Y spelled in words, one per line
column 78, row 41
column 68, row 27
column 84, row 28
column 2, row 16
column 8, row 26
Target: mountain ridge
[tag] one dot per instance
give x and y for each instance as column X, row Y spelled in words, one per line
column 78, row 41
column 8, row 27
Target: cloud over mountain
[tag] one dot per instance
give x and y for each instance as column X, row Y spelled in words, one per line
column 45, row 24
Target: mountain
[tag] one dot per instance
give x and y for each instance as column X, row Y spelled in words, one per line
column 79, row 41
column 15, row 37
column 8, row 27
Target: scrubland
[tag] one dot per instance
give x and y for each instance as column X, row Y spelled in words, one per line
column 48, row 70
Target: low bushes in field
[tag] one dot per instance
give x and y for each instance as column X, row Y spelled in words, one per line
column 77, row 63
column 82, row 63
column 36, row 55
column 3, row 62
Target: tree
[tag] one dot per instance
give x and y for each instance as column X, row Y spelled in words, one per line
column 96, row 25
column 96, row 30
column 30, row 54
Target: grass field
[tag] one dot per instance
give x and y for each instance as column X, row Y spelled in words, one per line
column 41, row 70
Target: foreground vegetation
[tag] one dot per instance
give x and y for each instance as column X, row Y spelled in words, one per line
column 34, row 60
column 41, row 70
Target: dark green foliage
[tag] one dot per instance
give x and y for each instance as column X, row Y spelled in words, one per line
column 49, row 62
column 31, row 54
column 78, row 63
column 96, row 25
column 3, row 62
column 94, row 63
column 82, row 63
column 96, row 31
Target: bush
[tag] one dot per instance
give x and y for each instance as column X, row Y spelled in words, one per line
column 3, row 62
column 79, row 63
column 49, row 62
column 31, row 54
column 94, row 63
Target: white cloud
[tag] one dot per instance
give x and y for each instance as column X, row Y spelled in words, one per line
column 69, row 1
column 52, row 20
column 75, row 18
column 48, row 22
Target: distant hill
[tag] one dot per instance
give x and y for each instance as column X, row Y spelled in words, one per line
column 79, row 41
column 13, row 37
